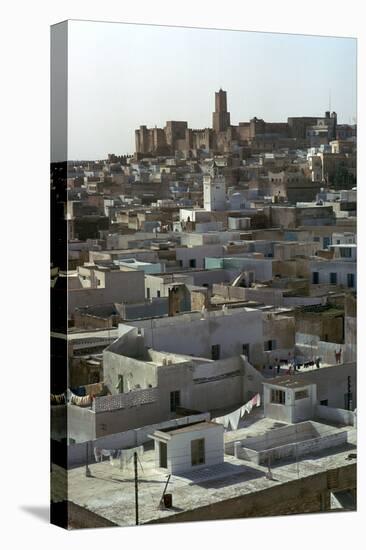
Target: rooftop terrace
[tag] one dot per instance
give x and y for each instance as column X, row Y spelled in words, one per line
column 110, row 491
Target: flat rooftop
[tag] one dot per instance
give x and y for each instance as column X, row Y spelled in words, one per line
column 110, row 491
column 192, row 427
column 291, row 381
column 309, row 375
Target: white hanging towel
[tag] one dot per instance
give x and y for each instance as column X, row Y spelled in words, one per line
column 127, row 454
column 234, row 418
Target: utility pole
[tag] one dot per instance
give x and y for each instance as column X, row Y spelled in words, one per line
column 136, row 489
column 87, row 469
column 349, row 393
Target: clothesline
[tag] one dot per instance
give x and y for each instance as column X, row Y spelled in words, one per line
column 232, row 420
column 123, row 455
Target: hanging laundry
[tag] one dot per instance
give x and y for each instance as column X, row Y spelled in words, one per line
column 127, row 454
column 106, row 452
column 58, row 399
column 219, row 420
column 80, row 401
column 224, row 420
column 79, row 391
column 97, row 454
column 234, row 418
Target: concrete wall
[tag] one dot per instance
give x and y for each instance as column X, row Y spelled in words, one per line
column 134, row 372
column 212, row 276
column 309, row 345
column 281, row 329
column 198, row 254
column 278, row 444
column 216, row 394
column 230, row 331
column 339, row 416
column 325, row 268
column 308, row 494
column 81, row 423
column 146, row 309
column 262, row 267
column 293, row 301
column 200, row 239
column 287, row 250
column 77, row 453
column 350, row 338
column 326, row 327
column 116, row 241
column 267, row 296
column 252, row 381
column 79, row 517
column 130, row 288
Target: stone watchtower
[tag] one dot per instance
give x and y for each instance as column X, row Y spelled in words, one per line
column 221, row 117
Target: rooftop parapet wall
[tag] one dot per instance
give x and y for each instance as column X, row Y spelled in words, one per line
column 291, row 441
column 125, row 400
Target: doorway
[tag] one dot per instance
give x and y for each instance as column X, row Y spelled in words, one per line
column 163, row 463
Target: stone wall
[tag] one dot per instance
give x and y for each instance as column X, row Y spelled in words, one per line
column 306, row 495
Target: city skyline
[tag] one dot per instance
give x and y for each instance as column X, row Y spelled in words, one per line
column 308, row 70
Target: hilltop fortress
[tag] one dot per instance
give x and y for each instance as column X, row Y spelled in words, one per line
column 225, row 137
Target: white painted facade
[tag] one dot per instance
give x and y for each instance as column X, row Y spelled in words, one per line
column 199, row 334
column 178, row 444
column 214, row 193
column 345, row 273
column 194, row 257
column 299, row 405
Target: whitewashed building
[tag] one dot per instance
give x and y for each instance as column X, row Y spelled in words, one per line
column 190, row 447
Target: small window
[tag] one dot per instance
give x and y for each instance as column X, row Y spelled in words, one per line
column 246, row 350
column 174, row 400
column 326, row 242
column 215, row 352
column 192, row 263
column 333, row 278
column 278, row 396
column 346, row 252
column 350, row 280
column 324, row 402
column 315, row 277
column 198, row 451
column 148, row 293
column 269, row 345
column 302, row 394
column 163, row 462
column 158, row 293
column 120, row 383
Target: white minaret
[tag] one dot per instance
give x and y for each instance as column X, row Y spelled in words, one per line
column 214, row 192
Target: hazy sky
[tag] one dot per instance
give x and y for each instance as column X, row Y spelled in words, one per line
column 122, row 76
